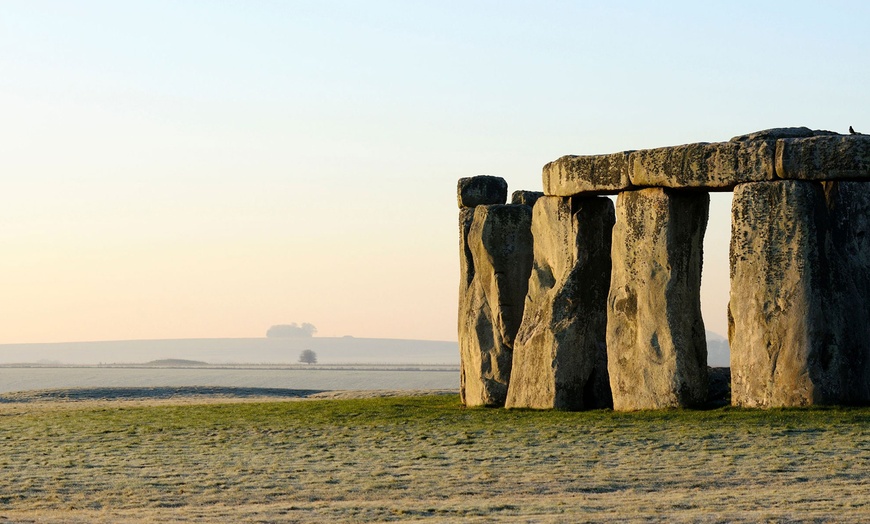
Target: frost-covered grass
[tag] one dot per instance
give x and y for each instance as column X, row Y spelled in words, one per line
column 427, row 458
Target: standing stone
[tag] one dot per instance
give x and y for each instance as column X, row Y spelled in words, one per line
column 560, row 355
column 495, row 262
column 656, row 348
column 799, row 294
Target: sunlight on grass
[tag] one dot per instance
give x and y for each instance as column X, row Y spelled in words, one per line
column 427, row 457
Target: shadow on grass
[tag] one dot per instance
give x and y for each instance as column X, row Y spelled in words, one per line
column 139, row 393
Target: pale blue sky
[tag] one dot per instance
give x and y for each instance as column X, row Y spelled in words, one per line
column 208, row 169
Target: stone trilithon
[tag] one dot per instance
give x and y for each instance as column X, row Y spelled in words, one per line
column 565, row 304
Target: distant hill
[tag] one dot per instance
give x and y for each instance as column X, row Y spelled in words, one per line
column 343, row 350
column 175, row 362
column 716, row 337
column 718, row 351
column 330, row 350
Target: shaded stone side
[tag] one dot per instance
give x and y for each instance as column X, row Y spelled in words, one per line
column 799, row 292
column 495, row 262
column 560, row 355
column 848, row 206
column 656, row 347
column 481, row 190
column 780, row 132
column 466, row 277
column 525, row 198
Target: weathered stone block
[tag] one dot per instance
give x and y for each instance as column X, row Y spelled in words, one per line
column 799, row 294
column 656, row 347
column 481, row 190
column 495, row 262
column 525, row 198
column 781, row 132
column 826, row 157
column 592, row 174
column 560, row 354
column 719, row 166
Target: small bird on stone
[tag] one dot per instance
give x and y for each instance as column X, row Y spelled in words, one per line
column 852, row 131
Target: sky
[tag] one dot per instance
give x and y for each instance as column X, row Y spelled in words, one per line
column 209, row 169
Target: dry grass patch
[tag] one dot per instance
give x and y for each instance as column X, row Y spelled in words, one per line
column 427, row 458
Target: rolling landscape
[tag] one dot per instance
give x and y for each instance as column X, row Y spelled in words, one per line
column 434, row 262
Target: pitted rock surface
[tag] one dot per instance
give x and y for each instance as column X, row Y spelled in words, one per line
column 593, row 174
column 799, row 294
column 825, row 157
column 718, row 166
column 656, row 346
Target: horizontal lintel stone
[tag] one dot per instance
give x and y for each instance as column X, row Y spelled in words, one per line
column 780, row 153
column 720, row 165
column 825, row 157
column 591, row 174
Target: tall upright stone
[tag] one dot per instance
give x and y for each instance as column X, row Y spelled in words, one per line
column 560, row 354
column 656, row 348
column 495, row 262
column 799, row 294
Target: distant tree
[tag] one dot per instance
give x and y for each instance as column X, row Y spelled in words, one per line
column 293, row 330
column 308, row 357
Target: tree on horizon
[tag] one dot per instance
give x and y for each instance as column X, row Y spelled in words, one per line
column 308, row 357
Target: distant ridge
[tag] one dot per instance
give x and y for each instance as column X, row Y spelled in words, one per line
column 718, row 352
column 175, row 362
column 330, row 350
column 712, row 335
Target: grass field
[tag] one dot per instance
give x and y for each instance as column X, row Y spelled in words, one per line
column 427, row 459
